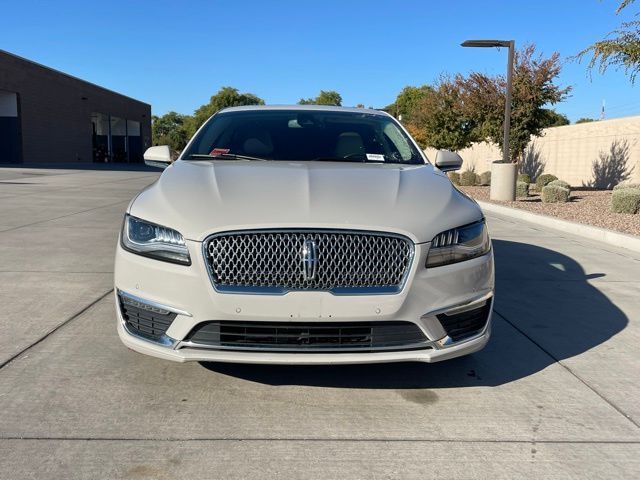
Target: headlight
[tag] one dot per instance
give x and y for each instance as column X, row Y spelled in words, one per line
column 151, row 240
column 458, row 244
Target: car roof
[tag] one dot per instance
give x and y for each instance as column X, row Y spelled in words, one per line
column 303, row 108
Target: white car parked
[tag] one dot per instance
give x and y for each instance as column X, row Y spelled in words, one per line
column 303, row 235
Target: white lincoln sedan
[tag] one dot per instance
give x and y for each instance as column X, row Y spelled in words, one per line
column 303, row 235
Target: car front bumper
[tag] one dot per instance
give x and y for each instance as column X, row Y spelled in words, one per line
column 188, row 292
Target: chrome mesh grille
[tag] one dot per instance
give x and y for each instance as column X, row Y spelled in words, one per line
column 274, row 261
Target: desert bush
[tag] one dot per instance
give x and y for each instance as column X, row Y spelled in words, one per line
column 560, row 183
column 626, row 200
column 555, row 194
column 522, row 189
column 524, row 177
column 485, row 178
column 468, row 178
column 454, row 177
column 626, row 184
column 544, row 179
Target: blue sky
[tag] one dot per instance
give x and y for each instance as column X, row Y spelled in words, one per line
column 175, row 55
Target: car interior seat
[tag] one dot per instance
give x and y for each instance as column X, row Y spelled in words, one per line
column 349, row 144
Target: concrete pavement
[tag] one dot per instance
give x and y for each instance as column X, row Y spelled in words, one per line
column 554, row 395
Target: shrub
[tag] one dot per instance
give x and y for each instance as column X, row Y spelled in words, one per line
column 560, row 183
column 626, row 200
column 454, row 177
column 555, row 194
column 524, row 177
column 468, row 178
column 626, row 184
column 522, row 189
column 485, row 178
column 543, row 180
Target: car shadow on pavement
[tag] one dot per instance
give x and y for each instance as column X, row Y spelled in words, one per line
column 547, row 311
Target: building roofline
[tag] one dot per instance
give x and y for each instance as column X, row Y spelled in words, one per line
column 59, row 72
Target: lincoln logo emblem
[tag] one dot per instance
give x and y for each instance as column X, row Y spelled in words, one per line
column 309, row 260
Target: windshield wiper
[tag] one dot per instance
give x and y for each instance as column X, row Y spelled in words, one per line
column 338, row 159
column 348, row 159
column 223, row 156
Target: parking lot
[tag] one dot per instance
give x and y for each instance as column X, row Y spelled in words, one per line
column 555, row 393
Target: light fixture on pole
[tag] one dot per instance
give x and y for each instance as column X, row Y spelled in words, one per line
column 510, row 191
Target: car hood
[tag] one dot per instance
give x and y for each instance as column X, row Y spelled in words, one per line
column 198, row 198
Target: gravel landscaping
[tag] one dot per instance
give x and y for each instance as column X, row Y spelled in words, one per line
column 591, row 207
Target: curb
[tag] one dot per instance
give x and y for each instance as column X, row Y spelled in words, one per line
column 603, row 235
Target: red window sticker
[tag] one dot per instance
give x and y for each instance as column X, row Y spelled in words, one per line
column 218, row 151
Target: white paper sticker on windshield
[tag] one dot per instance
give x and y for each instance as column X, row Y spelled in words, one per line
column 376, row 157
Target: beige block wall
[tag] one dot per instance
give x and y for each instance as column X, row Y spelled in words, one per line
column 568, row 152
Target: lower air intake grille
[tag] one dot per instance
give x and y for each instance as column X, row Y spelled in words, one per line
column 465, row 324
column 308, row 337
column 144, row 320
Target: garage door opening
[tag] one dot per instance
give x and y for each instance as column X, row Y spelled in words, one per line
column 115, row 139
column 10, row 145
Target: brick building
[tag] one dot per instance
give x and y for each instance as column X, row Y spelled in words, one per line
column 49, row 117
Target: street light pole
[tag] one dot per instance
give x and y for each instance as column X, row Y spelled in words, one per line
column 503, row 186
column 507, row 104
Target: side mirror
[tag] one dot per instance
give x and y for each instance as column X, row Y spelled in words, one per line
column 159, row 156
column 448, row 161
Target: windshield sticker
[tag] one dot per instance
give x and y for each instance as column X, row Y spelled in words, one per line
column 218, row 151
column 376, row 157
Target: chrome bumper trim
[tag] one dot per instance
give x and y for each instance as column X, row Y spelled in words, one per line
column 151, row 303
column 461, row 307
column 446, row 341
column 164, row 340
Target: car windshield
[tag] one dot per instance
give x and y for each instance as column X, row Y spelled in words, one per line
column 303, row 135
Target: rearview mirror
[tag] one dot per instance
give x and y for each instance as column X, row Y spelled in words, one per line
column 448, row 161
column 159, row 156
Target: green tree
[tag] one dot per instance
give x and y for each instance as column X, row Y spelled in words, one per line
column 325, row 97
column 534, row 88
column 438, row 119
column 169, row 129
column 621, row 49
column 225, row 97
column 408, row 102
column 551, row 118
column 585, row 120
